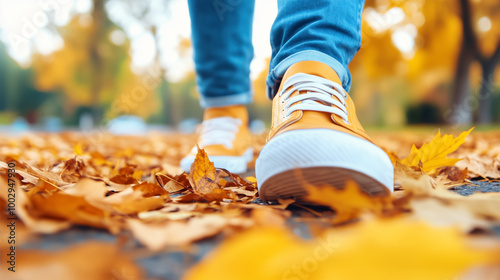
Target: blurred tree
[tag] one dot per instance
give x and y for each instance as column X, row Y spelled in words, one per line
column 94, row 70
column 18, row 95
column 481, row 42
column 150, row 15
column 429, row 43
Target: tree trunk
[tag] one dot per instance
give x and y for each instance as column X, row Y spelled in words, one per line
column 461, row 107
column 99, row 19
column 485, row 94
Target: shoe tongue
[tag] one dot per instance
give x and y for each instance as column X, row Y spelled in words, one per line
column 317, row 69
column 235, row 111
column 312, row 68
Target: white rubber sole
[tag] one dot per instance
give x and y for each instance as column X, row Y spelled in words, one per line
column 235, row 165
column 321, row 157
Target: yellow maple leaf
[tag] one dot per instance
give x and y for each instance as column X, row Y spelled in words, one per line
column 381, row 249
column 203, row 175
column 348, row 202
column 432, row 155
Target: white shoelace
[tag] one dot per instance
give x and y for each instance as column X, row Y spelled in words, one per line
column 320, row 95
column 219, row 131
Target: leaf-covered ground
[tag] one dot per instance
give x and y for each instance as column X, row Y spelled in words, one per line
column 126, row 211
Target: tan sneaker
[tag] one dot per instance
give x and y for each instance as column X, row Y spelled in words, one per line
column 317, row 139
column 225, row 136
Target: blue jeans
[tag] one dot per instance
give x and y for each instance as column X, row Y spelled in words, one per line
column 328, row 31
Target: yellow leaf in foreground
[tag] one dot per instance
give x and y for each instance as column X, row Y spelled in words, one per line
column 433, row 155
column 348, row 202
column 381, row 249
column 202, row 175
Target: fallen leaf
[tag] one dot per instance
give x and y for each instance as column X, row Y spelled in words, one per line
column 348, row 202
column 202, row 176
column 479, row 166
column 88, row 260
column 174, row 184
column 124, row 180
column 157, row 236
column 454, row 173
column 217, row 195
column 149, row 189
column 412, row 180
column 140, row 199
column 433, row 155
column 384, row 249
column 72, row 170
column 440, row 213
column 32, row 220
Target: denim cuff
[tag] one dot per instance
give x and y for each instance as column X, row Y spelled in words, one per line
column 221, row 101
column 274, row 79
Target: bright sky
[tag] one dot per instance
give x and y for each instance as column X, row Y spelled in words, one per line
column 21, row 27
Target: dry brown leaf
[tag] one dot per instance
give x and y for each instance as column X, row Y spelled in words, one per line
column 203, row 175
column 412, row 179
column 134, row 206
column 479, row 166
column 162, row 216
column 33, row 221
column 72, row 170
column 124, row 180
column 438, row 213
column 157, row 236
column 217, row 195
column 149, row 189
column 132, row 201
column 454, row 173
column 89, row 260
column 174, row 184
column 75, row 209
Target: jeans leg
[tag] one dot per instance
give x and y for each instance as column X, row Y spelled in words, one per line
column 328, row 31
column 222, row 42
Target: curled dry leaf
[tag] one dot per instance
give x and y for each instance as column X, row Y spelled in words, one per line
column 72, row 170
column 173, row 184
column 139, row 198
column 149, row 190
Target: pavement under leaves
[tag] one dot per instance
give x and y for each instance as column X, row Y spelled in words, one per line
column 114, row 207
